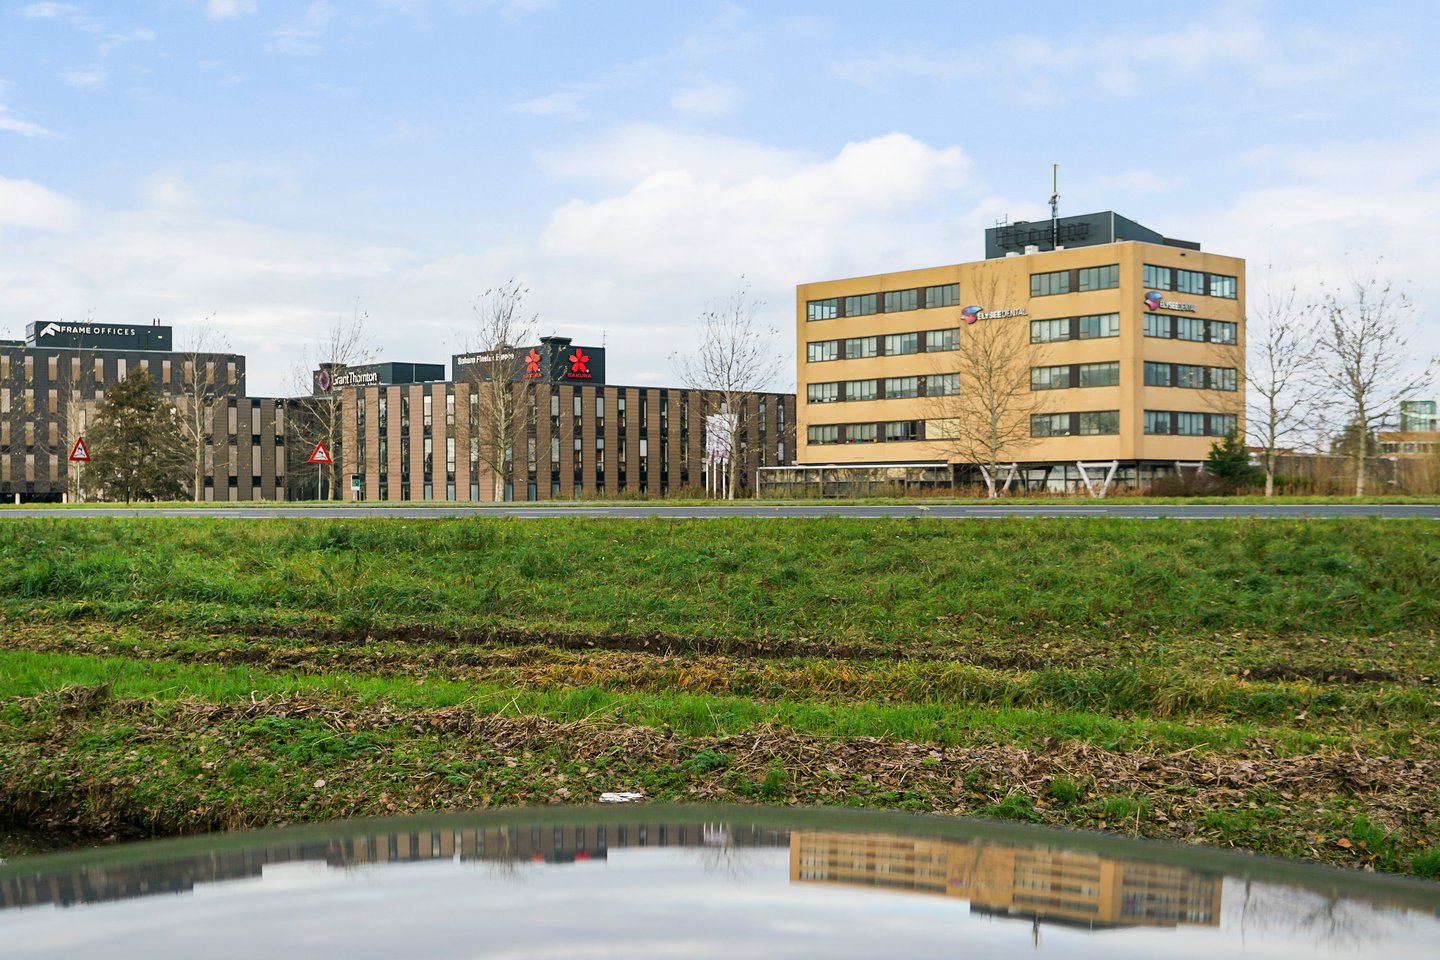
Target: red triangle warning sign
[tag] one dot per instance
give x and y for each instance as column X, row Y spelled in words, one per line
column 79, row 452
column 320, row 454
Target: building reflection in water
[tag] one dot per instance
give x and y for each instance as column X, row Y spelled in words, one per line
column 1035, row 883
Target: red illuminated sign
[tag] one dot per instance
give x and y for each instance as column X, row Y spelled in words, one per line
column 532, row 364
column 579, row 365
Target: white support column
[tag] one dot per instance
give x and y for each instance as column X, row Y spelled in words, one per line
column 1110, row 470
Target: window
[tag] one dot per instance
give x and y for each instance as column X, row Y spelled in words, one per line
column 1100, row 374
column 1099, row 423
column 449, row 409
column 942, row 384
column 1159, row 325
column 1157, row 278
column 1222, row 286
column 1190, row 328
column 861, row 390
column 822, row 392
column 1100, row 325
column 1050, row 378
column 599, row 409
column 1223, row 424
column 861, row 433
column 899, row 388
column 822, row 309
column 899, row 300
column 945, row 295
column 1190, row 424
column 902, row 431
column 1046, row 284
column 427, row 407
column 576, row 410
column 938, row 340
column 1100, row 278
column 1189, row 376
column 827, row 433
column 1157, row 422
column 1190, row 281
column 822, row 350
column 1050, row 425
column 860, row 347
column 1157, row 375
column 900, row 343
column 1222, row 378
column 861, row 306
column 1222, row 331
column 1049, row 331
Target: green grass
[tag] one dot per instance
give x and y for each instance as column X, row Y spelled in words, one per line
column 851, row 580
column 1256, row 683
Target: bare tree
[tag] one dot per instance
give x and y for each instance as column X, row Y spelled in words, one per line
column 738, row 355
column 1364, row 360
column 346, row 344
column 493, row 372
column 1280, row 376
column 982, row 415
column 198, row 388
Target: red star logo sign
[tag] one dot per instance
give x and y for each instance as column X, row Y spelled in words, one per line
column 532, row 361
column 578, row 361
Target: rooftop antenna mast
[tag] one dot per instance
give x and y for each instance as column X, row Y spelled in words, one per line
column 1054, row 207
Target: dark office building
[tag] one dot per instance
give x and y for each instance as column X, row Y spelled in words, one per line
column 51, row 382
column 575, row 435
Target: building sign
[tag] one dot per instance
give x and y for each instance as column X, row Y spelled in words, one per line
column 329, row 378
column 552, row 360
column 1153, row 302
column 1022, row 235
column 579, row 366
column 972, row 313
column 102, row 336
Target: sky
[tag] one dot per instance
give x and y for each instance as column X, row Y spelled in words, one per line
column 269, row 168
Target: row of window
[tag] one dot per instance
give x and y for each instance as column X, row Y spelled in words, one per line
column 1082, row 279
column 1068, row 375
column 1186, row 375
column 890, row 345
column 1092, row 327
column 1190, row 376
column 1190, row 281
column 1182, row 424
column 1091, row 423
column 894, row 301
column 1168, row 327
column 887, row 388
column 893, row 431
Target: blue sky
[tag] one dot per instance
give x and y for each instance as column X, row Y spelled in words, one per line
column 273, row 165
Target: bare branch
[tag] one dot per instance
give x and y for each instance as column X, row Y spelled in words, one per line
column 737, row 355
column 1365, row 364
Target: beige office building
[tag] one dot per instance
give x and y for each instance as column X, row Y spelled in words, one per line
column 1083, row 351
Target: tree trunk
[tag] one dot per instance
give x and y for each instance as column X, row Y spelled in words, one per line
column 1269, row 473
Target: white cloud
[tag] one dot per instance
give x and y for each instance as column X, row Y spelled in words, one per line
column 229, row 9
column 167, row 190
column 707, row 98
column 49, row 11
column 14, row 124
column 303, row 37
column 27, row 205
column 1130, row 60
column 776, row 225
column 403, row 131
column 635, row 151
column 89, row 78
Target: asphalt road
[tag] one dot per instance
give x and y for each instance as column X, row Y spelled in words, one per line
column 681, row 511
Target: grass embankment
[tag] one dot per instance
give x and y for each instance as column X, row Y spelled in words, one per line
column 1264, row 684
